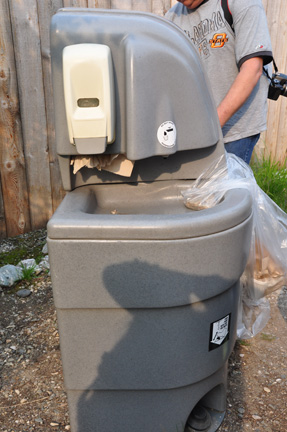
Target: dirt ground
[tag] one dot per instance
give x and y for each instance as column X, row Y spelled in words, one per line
column 32, row 396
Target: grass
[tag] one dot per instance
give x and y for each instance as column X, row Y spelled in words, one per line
column 25, row 246
column 28, row 273
column 244, row 342
column 268, row 337
column 16, row 255
column 271, row 177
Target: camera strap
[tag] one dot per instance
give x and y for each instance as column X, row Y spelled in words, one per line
column 266, row 71
column 227, row 13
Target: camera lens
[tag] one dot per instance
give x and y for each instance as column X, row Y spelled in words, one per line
column 284, row 90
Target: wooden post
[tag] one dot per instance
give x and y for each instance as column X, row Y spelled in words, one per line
column 26, row 40
column 15, row 217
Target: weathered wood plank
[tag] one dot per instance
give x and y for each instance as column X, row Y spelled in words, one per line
column 46, row 10
column 14, row 206
column 141, row 5
column 281, row 60
column 273, row 16
column 75, row 3
column 103, row 4
column 160, row 7
column 3, row 231
column 121, row 4
column 281, row 148
column 26, row 39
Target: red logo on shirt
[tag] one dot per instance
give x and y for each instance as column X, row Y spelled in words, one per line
column 218, row 40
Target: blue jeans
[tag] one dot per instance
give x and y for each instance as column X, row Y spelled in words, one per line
column 243, row 147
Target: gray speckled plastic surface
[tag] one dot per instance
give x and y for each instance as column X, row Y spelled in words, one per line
column 144, row 211
column 146, row 290
column 158, row 79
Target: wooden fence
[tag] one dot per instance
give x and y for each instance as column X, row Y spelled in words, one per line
column 30, row 184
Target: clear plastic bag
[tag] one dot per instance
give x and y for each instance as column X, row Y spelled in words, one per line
column 266, row 269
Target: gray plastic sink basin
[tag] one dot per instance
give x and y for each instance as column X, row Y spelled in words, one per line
column 143, row 198
column 143, row 211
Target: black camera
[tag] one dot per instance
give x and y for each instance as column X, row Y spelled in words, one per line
column 277, row 86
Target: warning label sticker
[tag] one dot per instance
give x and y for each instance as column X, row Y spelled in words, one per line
column 219, row 332
column 166, row 134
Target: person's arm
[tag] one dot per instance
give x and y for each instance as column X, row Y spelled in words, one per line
column 249, row 75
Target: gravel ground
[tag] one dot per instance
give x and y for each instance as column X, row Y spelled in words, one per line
column 32, row 394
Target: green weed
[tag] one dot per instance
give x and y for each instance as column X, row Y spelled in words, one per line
column 13, row 256
column 271, row 177
column 25, row 246
column 268, row 337
column 28, row 273
column 244, row 342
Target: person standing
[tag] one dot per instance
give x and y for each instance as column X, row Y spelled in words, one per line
column 233, row 41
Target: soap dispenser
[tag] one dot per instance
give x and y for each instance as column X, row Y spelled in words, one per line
column 89, row 96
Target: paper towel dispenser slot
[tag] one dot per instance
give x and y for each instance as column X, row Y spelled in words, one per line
column 89, row 96
column 88, row 102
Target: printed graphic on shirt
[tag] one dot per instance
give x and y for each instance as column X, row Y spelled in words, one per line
column 207, row 27
column 218, row 40
column 219, row 332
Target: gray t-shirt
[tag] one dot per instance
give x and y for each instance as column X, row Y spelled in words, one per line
column 223, row 51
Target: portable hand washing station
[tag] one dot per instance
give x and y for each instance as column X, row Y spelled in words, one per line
column 146, row 290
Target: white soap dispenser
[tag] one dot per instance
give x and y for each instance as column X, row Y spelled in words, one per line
column 89, row 96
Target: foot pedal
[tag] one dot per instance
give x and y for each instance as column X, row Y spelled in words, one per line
column 199, row 420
